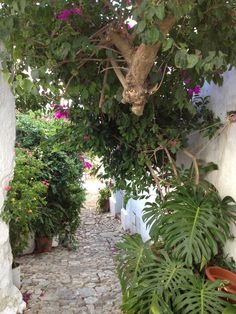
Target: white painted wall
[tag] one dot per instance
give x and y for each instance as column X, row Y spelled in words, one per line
column 222, row 149
column 131, row 215
column 116, row 202
column 10, row 297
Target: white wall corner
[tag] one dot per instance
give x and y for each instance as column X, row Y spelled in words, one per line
column 10, row 297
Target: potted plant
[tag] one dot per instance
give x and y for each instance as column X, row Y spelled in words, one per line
column 214, row 273
column 45, row 229
column 103, row 200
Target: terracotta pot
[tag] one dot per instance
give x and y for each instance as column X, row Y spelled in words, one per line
column 43, row 245
column 213, row 273
column 106, row 206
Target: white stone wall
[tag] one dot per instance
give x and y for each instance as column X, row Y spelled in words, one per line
column 222, row 149
column 131, row 215
column 10, row 296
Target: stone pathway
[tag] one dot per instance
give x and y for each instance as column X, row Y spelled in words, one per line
column 82, row 281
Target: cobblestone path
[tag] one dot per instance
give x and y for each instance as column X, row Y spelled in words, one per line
column 82, row 281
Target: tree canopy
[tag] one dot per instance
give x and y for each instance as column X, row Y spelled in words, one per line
column 130, row 67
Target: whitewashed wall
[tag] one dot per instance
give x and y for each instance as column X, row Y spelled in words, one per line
column 10, row 297
column 132, row 212
column 222, row 149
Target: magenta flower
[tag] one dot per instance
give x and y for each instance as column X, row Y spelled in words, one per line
column 131, row 24
column 88, row 165
column 76, row 11
column 187, row 81
column 64, row 15
column 81, row 158
column 60, row 115
column 7, row 188
column 196, row 90
column 27, row 296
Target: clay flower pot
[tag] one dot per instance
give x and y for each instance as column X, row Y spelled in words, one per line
column 43, row 245
column 213, row 273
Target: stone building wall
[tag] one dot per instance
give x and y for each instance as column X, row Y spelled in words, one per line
column 10, row 296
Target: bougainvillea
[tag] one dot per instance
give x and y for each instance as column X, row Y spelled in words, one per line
column 113, row 73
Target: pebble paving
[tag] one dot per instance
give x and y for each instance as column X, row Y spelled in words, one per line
column 83, row 281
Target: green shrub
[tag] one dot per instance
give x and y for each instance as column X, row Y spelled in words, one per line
column 25, row 200
column 62, row 174
column 103, row 199
column 193, row 224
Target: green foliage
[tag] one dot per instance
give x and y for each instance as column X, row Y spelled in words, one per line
column 162, row 284
column 64, row 59
column 103, row 199
column 193, row 222
column 201, row 297
column 62, row 172
column 65, row 193
column 26, row 199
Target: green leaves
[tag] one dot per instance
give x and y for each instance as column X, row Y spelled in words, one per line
column 141, row 27
column 160, row 11
column 151, row 36
column 201, row 297
column 184, row 60
column 195, row 225
column 163, row 284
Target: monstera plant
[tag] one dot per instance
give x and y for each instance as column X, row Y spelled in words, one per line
column 166, row 275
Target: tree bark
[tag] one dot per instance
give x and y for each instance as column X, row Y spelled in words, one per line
column 140, row 61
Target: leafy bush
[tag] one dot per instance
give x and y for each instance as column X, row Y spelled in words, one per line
column 26, row 199
column 65, row 193
column 193, row 223
column 62, row 173
column 163, row 284
column 103, row 199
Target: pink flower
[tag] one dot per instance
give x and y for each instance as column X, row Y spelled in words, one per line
column 30, row 154
column 131, row 24
column 81, row 158
column 7, row 188
column 196, row 90
column 88, row 165
column 64, row 15
column 187, row 81
column 27, row 296
column 60, row 115
column 76, row 11
column 45, row 183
